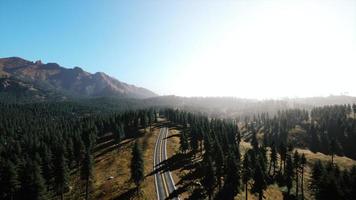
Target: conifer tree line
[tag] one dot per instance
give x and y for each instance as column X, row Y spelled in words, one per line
column 41, row 144
column 329, row 182
column 137, row 166
column 329, row 129
column 223, row 172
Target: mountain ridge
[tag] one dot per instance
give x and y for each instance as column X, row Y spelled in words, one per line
column 73, row 81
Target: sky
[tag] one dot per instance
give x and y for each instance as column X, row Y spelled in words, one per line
column 251, row 49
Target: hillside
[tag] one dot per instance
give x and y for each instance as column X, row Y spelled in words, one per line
column 14, row 90
column 72, row 82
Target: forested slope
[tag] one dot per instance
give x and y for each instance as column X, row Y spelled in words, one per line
column 40, row 144
column 210, row 150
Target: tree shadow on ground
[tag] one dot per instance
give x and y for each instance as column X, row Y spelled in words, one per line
column 182, row 162
column 187, row 182
column 129, row 194
column 177, row 161
column 107, row 146
column 172, row 136
column 288, row 197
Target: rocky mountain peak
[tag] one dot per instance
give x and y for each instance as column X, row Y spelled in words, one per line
column 75, row 81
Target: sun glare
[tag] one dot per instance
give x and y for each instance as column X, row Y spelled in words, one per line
column 276, row 51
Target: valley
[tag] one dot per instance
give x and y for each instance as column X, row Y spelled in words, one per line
column 178, row 100
column 173, row 148
column 132, row 144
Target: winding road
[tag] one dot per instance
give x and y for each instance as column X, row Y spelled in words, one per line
column 163, row 179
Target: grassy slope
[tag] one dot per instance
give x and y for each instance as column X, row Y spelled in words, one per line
column 115, row 162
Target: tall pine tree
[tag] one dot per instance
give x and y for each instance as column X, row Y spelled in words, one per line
column 137, row 165
column 86, row 172
column 259, row 184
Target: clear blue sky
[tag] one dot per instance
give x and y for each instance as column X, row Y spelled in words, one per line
column 215, row 46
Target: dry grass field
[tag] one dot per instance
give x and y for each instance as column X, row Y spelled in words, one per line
column 111, row 173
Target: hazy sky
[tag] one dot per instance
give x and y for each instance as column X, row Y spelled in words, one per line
column 255, row 49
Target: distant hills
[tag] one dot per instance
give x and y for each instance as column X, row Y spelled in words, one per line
column 20, row 77
column 23, row 81
column 230, row 107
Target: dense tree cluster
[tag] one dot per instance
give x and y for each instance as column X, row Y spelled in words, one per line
column 328, row 129
column 221, row 169
column 41, row 143
column 329, row 182
column 333, row 130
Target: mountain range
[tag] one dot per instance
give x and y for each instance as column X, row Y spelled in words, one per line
column 37, row 79
column 30, row 82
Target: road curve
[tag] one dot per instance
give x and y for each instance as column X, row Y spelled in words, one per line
column 163, row 179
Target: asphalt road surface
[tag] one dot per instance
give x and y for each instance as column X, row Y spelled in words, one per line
column 163, row 179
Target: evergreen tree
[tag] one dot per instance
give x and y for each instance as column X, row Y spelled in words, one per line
column 303, row 162
column 184, row 143
column 26, row 179
column 69, row 149
column 246, row 173
column 209, row 179
column 86, row 172
column 144, row 121
column 47, row 166
column 194, row 142
column 289, row 174
column 38, row 189
column 220, row 163
column 150, row 119
column 282, row 153
column 273, row 160
column 317, row 172
column 89, row 137
column 61, row 175
column 137, row 168
column 156, row 116
column 296, row 163
column 9, row 180
column 32, row 183
column 329, row 188
column 262, row 158
column 254, row 141
column 314, row 143
column 259, row 184
column 332, row 150
column 353, row 182
column 232, row 180
column 119, row 133
column 78, row 150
